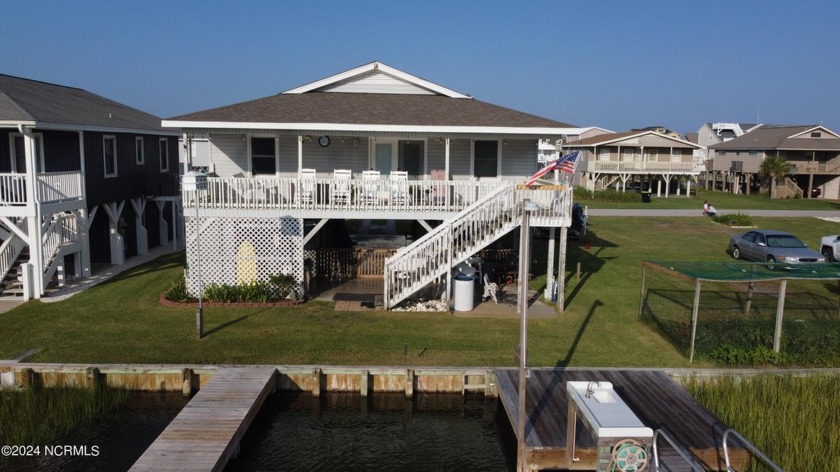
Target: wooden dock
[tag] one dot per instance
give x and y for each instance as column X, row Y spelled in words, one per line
column 206, row 433
column 658, row 401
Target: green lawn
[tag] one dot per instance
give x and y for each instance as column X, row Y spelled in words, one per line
column 121, row 321
column 722, row 201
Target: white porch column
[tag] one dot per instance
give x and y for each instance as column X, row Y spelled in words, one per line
column 83, row 219
column 549, row 274
column 83, row 222
column 114, row 210
column 33, row 220
column 688, row 187
column 300, row 154
column 659, row 188
column 139, row 206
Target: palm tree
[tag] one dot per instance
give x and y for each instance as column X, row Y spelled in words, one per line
column 775, row 167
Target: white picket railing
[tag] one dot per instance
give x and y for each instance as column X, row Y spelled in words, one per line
column 646, row 166
column 59, row 186
column 51, row 187
column 329, row 194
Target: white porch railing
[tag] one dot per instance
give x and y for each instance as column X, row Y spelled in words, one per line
column 320, row 194
column 52, row 187
column 634, row 166
column 473, row 229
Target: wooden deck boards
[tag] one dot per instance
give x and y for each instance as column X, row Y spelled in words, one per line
column 658, row 401
column 206, row 433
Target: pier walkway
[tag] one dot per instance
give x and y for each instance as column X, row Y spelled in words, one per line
column 658, row 401
column 206, row 433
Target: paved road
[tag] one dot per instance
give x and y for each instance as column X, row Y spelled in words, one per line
column 699, row 212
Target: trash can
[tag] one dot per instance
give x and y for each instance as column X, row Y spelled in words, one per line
column 646, row 197
column 464, row 293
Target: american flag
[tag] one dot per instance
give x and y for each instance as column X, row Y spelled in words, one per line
column 564, row 164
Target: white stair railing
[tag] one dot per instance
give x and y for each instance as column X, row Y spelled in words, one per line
column 432, row 256
column 62, row 231
column 10, row 250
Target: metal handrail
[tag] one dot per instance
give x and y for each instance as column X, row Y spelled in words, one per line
column 750, row 446
column 690, row 460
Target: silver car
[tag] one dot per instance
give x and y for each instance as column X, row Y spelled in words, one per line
column 772, row 246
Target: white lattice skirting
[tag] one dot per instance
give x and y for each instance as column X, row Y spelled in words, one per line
column 241, row 250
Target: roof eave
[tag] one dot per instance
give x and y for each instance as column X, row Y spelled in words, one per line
column 366, row 128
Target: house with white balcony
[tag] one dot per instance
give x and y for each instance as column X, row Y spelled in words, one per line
column 646, row 159
column 812, row 150
column 370, row 143
column 84, row 180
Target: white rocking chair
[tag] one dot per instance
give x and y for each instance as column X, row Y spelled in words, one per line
column 490, row 290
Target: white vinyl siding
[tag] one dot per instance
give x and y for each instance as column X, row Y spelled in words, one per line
column 342, row 153
column 459, row 159
column 109, row 155
column 228, row 154
column 376, row 82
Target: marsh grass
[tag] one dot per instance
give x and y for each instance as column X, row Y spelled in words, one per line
column 42, row 415
column 793, row 420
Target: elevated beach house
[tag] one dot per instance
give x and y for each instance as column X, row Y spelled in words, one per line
column 812, row 150
column 648, row 159
column 83, row 180
column 371, row 143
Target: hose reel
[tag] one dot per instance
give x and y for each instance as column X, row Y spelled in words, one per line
column 629, row 456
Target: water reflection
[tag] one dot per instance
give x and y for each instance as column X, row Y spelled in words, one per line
column 348, row 432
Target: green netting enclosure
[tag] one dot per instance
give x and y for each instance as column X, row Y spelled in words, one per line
column 746, row 312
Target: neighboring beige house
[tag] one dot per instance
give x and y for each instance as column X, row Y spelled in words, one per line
column 645, row 158
column 813, row 150
column 715, row 133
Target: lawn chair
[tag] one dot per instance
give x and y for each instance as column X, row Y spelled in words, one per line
column 340, row 193
column 399, row 187
column 370, row 188
column 306, row 186
column 491, row 290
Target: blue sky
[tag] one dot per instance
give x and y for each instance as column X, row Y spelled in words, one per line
column 613, row 64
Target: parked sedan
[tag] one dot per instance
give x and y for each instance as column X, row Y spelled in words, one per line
column 772, row 246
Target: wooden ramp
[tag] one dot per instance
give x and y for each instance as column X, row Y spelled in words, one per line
column 206, row 433
column 658, row 401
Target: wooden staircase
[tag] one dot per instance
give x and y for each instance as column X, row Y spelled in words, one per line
column 435, row 254
column 11, row 286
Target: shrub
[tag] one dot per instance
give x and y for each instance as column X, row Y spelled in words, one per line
column 178, row 293
column 734, row 219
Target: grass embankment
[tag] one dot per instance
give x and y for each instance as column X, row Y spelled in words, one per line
column 38, row 416
column 793, row 420
column 121, row 321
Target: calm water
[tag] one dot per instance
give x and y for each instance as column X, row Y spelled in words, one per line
column 121, row 439
column 346, row 432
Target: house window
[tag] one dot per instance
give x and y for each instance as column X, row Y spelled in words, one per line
column 628, row 154
column 653, row 155
column 604, row 154
column 139, row 152
column 676, row 155
column 816, row 134
column 18, row 143
column 263, row 161
column 109, row 155
column 486, row 159
column 164, row 154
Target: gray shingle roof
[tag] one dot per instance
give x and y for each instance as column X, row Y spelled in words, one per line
column 779, row 137
column 371, row 109
column 30, row 100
